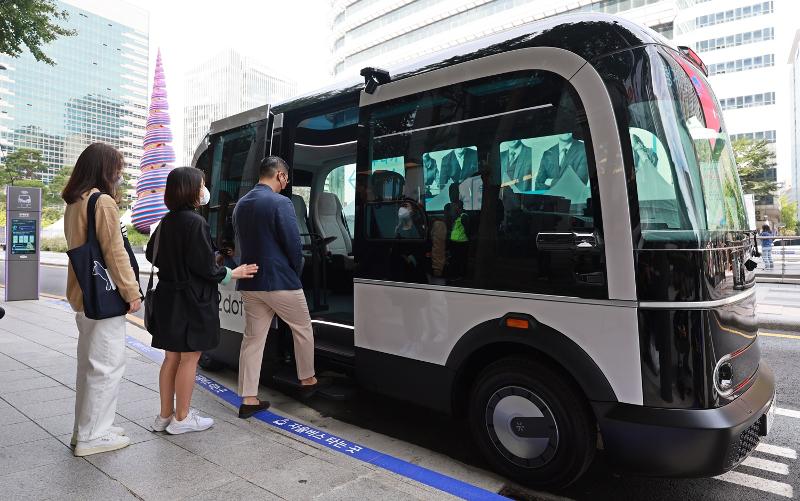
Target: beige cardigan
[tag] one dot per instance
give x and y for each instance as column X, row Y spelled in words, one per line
column 109, row 236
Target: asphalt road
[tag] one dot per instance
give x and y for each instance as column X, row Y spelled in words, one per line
column 770, row 474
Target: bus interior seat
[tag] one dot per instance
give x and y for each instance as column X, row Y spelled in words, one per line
column 381, row 210
column 329, row 220
column 386, row 185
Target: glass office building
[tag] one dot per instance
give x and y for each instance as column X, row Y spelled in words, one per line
column 97, row 91
column 223, row 85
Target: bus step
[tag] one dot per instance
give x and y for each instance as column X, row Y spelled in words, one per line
column 330, row 388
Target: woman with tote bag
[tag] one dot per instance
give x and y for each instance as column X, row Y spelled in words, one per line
column 184, row 320
column 102, row 286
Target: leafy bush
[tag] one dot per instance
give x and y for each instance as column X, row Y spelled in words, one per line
column 137, row 240
column 55, row 244
column 51, row 214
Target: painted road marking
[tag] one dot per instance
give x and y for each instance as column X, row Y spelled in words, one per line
column 775, row 334
column 775, row 450
column 767, row 465
column 787, row 412
column 762, row 484
column 422, row 475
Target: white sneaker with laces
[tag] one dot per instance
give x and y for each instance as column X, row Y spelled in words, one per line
column 192, row 422
column 119, row 430
column 106, row 443
column 161, row 423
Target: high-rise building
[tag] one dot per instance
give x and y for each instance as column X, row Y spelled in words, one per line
column 97, row 90
column 224, row 85
column 745, row 44
column 794, row 62
column 385, row 33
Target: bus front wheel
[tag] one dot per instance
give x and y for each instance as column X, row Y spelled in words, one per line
column 532, row 424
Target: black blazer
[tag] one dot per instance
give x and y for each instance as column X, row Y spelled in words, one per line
column 549, row 168
column 186, row 310
column 450, row 169
column 267, row 235
column 521, row 167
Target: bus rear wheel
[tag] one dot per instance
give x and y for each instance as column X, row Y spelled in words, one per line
column 532, row 424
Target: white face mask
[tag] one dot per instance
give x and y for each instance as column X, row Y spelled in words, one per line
column 205, row 196
column 403, row 214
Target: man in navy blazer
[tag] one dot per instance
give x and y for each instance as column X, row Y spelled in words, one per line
column 267, row 234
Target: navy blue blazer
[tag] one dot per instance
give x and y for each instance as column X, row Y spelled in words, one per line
column 267, row 235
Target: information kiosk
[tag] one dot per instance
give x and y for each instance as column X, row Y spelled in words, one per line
column 23, row 217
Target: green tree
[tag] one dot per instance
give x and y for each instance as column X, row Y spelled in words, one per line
column 56, row 186
column 754, row 159
column 21, row 164
column 32, row 23
column 788, row 211
column 125, row 200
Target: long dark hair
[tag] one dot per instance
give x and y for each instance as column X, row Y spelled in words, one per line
column 99, row 166
column 183, row 188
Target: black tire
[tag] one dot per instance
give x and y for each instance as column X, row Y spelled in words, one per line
column 209, row 363
column 551, row 439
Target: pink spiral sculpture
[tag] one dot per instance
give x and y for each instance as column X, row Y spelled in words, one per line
column 157, row 160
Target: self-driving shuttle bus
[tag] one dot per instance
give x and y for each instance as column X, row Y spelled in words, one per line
column 541, row 231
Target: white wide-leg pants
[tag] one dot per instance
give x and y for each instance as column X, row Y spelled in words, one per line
column 101, row 364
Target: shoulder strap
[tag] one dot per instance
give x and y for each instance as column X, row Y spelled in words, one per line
column 157, row 237
column 91, row 206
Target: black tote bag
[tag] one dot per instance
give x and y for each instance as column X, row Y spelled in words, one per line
column 101, row 299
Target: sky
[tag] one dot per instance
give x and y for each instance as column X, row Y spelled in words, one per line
column 293, row 37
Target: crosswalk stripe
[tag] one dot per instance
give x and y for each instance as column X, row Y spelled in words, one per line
column 762, row 484
column 767, row 465
column 777, row 450
column 787, row 412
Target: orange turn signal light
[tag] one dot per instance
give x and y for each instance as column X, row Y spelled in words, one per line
column 517, row 323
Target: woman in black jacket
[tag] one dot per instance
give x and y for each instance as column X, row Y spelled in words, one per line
column 186, row 317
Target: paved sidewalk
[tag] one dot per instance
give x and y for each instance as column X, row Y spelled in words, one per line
column 236, row 459
column 778, row 306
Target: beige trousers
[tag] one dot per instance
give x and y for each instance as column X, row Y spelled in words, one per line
column 259, row 308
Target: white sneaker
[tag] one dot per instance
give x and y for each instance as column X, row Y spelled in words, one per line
column 119, row 430
column 106, row 443
column 161, row 423
column 192, row 422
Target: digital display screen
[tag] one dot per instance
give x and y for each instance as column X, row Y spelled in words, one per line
column 23, row 236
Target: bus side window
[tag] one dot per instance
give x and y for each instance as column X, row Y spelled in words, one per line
column 497, row 167
column 658, row 198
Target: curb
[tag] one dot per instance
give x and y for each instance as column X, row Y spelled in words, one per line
column 778, row 322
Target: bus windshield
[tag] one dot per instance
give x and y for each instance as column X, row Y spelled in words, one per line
column 686, row 176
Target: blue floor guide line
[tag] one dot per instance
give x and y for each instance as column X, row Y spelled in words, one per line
column 423, row 475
